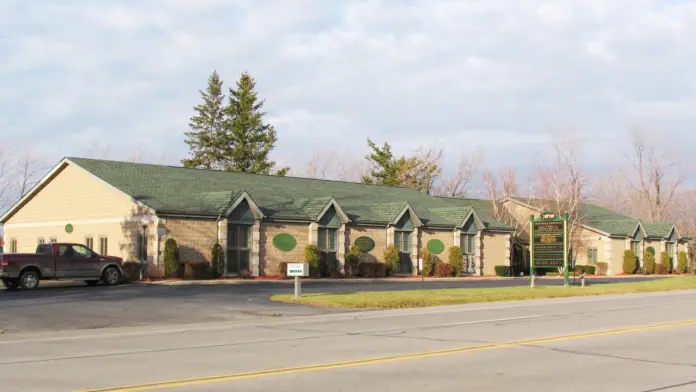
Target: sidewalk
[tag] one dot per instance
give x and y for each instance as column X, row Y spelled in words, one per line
column 377, row 280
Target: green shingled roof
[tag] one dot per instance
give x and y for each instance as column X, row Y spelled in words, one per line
column 606, row 220
column 179, row 191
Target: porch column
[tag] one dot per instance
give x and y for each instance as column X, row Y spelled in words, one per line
column 314, row 233
column 414, row 250
column 508, row 253
column 457, row 237
column 390, row 235
column 255, row 248
column 222, row 240
column 608, row 254
column 478, row 257
column 341, row 244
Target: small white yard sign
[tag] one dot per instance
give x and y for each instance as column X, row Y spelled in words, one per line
column 298, row 269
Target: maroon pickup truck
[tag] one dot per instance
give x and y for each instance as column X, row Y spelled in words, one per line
column 61, row 262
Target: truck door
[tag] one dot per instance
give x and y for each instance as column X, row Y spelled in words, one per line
column 63, row 256
column 82, row 264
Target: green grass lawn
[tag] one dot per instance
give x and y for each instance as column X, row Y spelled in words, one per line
column 423, row 298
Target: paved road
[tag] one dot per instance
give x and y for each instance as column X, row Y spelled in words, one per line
column 63, row 305
column 622, row 343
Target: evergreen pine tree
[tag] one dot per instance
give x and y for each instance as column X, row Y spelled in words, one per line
column 385, row 169
column 206, row 138
column 250, row 139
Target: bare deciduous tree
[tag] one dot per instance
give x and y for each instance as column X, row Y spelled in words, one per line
column 456, row 184
column 422, row 170
column 655, row 179
column 334, row 166
column 28, row 172
column 5, row 180
column 563, row 185
column 499, row 187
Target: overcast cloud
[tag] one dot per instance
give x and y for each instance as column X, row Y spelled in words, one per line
column 492, row 73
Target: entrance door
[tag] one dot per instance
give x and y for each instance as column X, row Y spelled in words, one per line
column 402, row 241
column 238, row 249
column 328, row 265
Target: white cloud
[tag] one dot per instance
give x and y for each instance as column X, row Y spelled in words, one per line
column 494, row 73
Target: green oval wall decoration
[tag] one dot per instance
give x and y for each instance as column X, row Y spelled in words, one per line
column 650, row 250
column 284, row 242
column 365, row 243
column 436, row 246
column 69, row 228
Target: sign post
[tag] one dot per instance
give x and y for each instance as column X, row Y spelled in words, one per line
column 548, row 239
column 298, row 270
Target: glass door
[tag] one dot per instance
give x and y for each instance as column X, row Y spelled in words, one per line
column 402, row 241
column 328, row 247
column 238, row 249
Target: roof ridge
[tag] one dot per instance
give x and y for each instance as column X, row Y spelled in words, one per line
column 241, row 173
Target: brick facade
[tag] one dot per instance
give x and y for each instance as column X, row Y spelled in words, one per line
column 195, row 237
column 493, row 252
column 270, row 257
column 377, row 233
column 443, row 235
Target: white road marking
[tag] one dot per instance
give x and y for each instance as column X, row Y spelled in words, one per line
column 380, row 314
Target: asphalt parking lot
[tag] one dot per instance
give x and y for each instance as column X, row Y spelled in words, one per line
column 67, row 305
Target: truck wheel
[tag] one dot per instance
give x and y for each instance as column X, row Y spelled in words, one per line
column 29, row 280
column 91, row 283
column 111, row 276
column 10, row 284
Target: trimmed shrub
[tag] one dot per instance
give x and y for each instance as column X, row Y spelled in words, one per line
column 391, row 258
column 312, row 255
column 579, row 269
column 195, row 270
column 172, row 266
column 454, row 257
column 602, row 268
column 217, row 257
column 648, row 263
column 369, row 269
column 283, row 269
column 554, row 273
column 589, row 269
column 660, row 269
column 681, row 263
column 131, row 271
column 666, row 264
column 352, row 260
column 501, row 270
column 444, row 270
column 428, row 262
column 629, row 262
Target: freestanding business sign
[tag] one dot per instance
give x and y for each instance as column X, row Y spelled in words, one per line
column 548, row 239
column 298, row 270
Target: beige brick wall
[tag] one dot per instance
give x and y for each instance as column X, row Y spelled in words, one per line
column 270, row 257
column 195, row 237
column 377, row 233
column 655, row 245
column 493, row 252
column 445, row 236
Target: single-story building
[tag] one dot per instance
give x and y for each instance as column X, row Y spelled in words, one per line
column 601, row 235
column 130, row 209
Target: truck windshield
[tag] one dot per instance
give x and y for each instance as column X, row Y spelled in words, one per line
column 44, row 249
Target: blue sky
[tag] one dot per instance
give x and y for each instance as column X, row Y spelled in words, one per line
column 117, row 78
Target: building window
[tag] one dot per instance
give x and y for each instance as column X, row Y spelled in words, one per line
column 89, row 242
column 327, row 240
column 52, row 240
column 141, row 247
column 468, row 244
column 591, row 256
column 13, row 245
column 41, row 240
column 635, row 247
column 103, row 246
column 402, row 241
column 238, row 249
